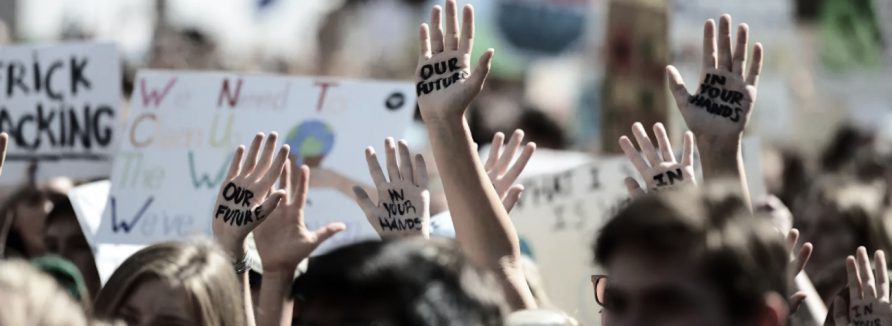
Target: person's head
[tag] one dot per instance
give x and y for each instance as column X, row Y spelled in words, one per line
column 838, row 214
column 23, row 216
column 30, row 297
column 397, row 282
column 692, row 258
column 64, row 237
column 174, row 283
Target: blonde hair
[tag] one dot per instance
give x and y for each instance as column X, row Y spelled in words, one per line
column 199, row 267
column 31, row 297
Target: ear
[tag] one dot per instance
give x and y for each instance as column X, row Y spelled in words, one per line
column 773, row 311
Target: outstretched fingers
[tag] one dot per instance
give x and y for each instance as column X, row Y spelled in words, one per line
column 406, row 170
column 725, row 57
column 424, row 42
column 687, row 152
column 632, row 154
column 393, row 170
column 510, row 150
column 251, row 158
column 676, row 86
column 868, row 286
column 647, row 147
column 420, row 171
column 494, row 150
column 882, row 278
column 466, row 44
column 740, row 50
column 752, row 79
column 235, row 165
column 663, row 142
column 451, row 36
column 375, row 168
column 710, row 58
column 436, row 30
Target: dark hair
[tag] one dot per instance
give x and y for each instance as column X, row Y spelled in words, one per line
column 741, row 255
column 422, row 282
column 14, row 245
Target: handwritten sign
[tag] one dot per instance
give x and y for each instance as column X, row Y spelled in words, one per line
column 563, row 210
column 183, row 128
column 59, row 105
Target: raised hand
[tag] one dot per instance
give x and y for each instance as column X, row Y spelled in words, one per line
column 283, row 239
column 445, row 84
column 403, row 207
column 797, row 264
column 660, row 171
column 503, row 170
column 868, row 292
column 724, row 99
column 245, row 199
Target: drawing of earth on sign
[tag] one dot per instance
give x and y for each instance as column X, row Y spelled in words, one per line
column 310, row 142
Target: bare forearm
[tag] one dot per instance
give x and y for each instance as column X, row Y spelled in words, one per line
column 724, row 160
column 482, row 225
column 275, row 306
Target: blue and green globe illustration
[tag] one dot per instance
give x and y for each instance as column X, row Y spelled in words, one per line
column 310, row 142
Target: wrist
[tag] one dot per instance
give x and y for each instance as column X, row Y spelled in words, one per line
column 435, row 116
column 718, row 146
column 235, row 248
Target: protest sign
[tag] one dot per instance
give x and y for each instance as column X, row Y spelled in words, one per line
column 561, row 211
column 58, row 103
column 183, row 128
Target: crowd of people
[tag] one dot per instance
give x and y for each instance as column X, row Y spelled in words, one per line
column 682, row 251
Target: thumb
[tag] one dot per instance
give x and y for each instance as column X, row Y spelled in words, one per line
column 269, row 205
column 633, row 188
column 482, row 71
column 511, row 197
column 328, row 231
column 796, row 301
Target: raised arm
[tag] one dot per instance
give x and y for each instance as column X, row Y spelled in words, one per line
column 446, row 86
column 245, row 200
column 720, row 109
column 283, row 241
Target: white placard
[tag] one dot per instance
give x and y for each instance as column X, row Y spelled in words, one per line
column 184, row 126
column 59, row 105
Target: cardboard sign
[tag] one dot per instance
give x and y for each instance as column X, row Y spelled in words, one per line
column 184, row 127
column 59, row 105
column 559, row 216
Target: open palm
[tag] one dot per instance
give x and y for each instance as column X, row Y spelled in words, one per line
column 444, row 82
column 722, row 105
column 403, row 207
column 660, row 171
column 283, row 239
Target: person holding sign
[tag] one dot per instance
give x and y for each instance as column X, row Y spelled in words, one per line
column 403, row 207
column 446, row 86
column 720, row 109
column 660, row 171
